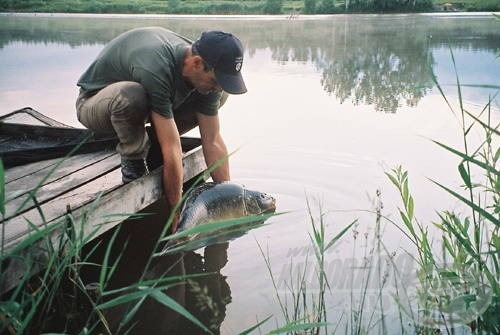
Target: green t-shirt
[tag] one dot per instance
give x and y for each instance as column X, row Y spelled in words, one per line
column 153, row 57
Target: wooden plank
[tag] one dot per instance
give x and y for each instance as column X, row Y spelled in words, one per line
column 120, row 199
column 17, row 178
column 146, row 190
column 17, row 172
column 71, row 178
column 30, row 260
column 30, row 170
column 23, row 178
column 16, row 228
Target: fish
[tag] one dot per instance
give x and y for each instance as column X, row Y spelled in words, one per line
column 216, row 202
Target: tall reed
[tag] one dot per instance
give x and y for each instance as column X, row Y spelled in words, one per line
column 58, row 299
column 467, row 271
column 302, row 298
column 57, row 292
column 457, row 282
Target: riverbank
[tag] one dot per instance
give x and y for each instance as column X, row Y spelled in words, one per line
column 247, row 7
column 302, row 17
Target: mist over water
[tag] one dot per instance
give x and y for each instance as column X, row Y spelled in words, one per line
column 332, row 103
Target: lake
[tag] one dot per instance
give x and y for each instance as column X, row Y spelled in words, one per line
column 333, row 102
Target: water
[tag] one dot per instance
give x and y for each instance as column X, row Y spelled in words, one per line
column 333, row 102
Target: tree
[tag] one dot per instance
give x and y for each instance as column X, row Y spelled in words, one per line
column 309, row 6
column 173, row 6
column 273, row 6
column 327, row 7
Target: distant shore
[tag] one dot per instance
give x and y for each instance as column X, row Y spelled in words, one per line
column 291, row 8
column 236, row 16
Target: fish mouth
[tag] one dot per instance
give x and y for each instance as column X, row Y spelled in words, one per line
column 270, row 207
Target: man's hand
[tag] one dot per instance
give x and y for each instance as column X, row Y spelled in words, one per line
column 170, row 144
column 175, row 223
column 213, row 145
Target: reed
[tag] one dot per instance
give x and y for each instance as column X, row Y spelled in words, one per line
column 30, row 305
column 39, row 300
column 303, row 304
column 468, row 263
column 457, row 282
column 56, row 297
column 456, row 287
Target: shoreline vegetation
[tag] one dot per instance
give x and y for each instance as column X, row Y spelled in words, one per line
column 247, row 7
column 455, row 291
column 454, row 284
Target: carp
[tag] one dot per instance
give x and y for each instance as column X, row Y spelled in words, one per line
column 216, row 202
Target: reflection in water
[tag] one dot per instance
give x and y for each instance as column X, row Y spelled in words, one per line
column 385, row 72
column 342, row 149
column 384, row 61
column 204, row 296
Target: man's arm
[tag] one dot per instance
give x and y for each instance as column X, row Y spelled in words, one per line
column 170, row 144
column 213, row 145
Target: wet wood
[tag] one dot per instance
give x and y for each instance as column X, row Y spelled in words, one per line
column 84, row 194
column 55, row 167
column 49, row 184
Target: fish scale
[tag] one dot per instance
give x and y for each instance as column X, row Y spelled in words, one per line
column 213, row 202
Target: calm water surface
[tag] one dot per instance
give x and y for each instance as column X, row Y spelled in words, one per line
column 333, row 102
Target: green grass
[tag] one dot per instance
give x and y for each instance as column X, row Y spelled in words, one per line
column 456, row 276
column 56, row 298
column 458, row 272
column 197, row 7
column 40, row 298
column 304, row 308
column 473, row 5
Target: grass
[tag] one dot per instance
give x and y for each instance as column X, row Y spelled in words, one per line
column 307, row 309
column 197, row 7
column 457, row 282
column 455, row 287
column 309, row 295
column 38, row 299
column 56, row 298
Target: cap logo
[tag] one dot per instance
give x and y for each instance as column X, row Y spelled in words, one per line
column 224, row 53
column 239, row 62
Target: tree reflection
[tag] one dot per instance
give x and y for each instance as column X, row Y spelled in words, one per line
column 206, row 296
column 386, row 71
column 384, row 61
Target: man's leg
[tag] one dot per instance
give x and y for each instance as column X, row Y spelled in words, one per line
column 185, row 115
column 185, row 119
column 121, row 108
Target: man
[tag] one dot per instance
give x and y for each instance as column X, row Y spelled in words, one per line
column 153, row 74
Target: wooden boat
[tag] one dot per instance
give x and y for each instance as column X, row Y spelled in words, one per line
column 52, row 169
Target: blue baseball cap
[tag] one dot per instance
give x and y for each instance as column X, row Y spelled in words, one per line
column 224, row 52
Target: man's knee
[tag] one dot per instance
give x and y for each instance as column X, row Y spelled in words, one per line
column 130, row 101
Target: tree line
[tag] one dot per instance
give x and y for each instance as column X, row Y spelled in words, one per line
column 143, row 6
column 357, row 60
column 242, row 6
column 236, row 7
column 333, row 6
